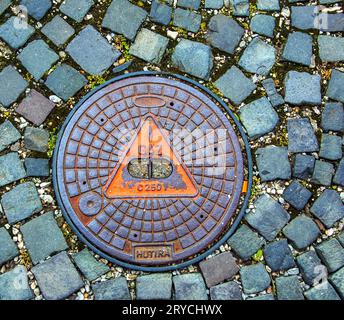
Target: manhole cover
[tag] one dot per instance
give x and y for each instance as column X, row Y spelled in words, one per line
column 149, row 171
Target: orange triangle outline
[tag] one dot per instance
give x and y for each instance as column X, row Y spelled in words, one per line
column 191, row 192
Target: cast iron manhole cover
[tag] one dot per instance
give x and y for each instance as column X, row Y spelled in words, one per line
column 149, row 171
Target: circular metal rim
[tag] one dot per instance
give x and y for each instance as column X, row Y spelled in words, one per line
column 216, row 245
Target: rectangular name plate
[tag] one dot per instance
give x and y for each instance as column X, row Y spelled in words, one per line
column 144, row 253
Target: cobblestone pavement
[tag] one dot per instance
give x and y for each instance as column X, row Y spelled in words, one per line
column 280, row 66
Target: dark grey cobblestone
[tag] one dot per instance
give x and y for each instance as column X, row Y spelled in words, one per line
column 89, row 266
column 311, row 267
column 190, row 287
column 14, row 285
column 36, row 167
column 298, row 48
column 161, row 12
column 37, row 8
column 332, row 118
column 331, row 147
column 42, row 237
column 339, row 176
column 66, row 279
column 334, row 89
column 322, row 292
column 254, row 278
column 226, row 291
column 297, row 195
column 8, row 134
column 332, row 254
column 58, row 30
column 289, row 288
column 331, row 49
column 187, row 19
column 8, row 249
column 268, row 217
column 273, row 163
column 245, row 242
column 154, row 287
column 323, row 172
column 76, row 9
column 263, row 24
column 219, row 268
column 301, row 231
column 278, row 255
column 303, row 166
column 114, row 289
column 328, row 208
column 36, row 139
column 11, row 168
column 21, row 202
column 337, row 280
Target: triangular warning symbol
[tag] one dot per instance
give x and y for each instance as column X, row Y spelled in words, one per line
column 150, row 168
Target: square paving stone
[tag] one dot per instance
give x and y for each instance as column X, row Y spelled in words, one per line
column 219, row 268
column 311, row 268
column 304, row 17
column 331, row 49
column 12, row 85
column 298, row 48
column 245, row 242
column 14, row 285
column 301, row 136
column 21, row 202
column 35, row 107
column 289, row 288
column 11, row 168
column 303, row 166
column 191, row 4
column 194, row 58
column 57, row 277
column 331, row 253
column 263, row 25
column 92, row 52
column 42, row 237
column 254, row 278
column 241, row 8
column 273, row 163
column 154, row 287
column 65, row 81
column 8, row 249
column 302, row 88
column 76, row 9
column 268, row 217
column 323, row 172
column 226, row 291
column 36, row 139
column 235, row 85
column 268, row 5
column 189, row 286
column 339, row 176
column 301, row 231
column 322, row 292
column 161, row 12
column 259, row 57
column 341, row 238
column 37, row 58
column 37, row 8
column 58, row 30
column 337, row 280
column 8, row 134
column 332, row 117
column 331, row 147
column 335, row 87
column 258, row 118
column 90, row 267
column 37, row 167
column 15, row 37
column 149, row 46
column 213, row 4
column 4, row 4
column 278, row 255
column 187, row 19
column 297, row 195
column 224, row 33
column 328, row 208
column 114, row 289
column 117, row 17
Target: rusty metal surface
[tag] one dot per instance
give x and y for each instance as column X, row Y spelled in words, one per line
column 156, row 216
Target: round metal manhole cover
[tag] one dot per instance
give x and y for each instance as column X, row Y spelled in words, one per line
column 149, row 171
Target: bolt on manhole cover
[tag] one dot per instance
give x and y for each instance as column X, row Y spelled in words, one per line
column 149, row 171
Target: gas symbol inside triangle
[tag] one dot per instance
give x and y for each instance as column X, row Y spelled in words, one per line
column 150, row 168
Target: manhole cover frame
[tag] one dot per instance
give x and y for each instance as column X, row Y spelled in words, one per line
column 223, row 238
